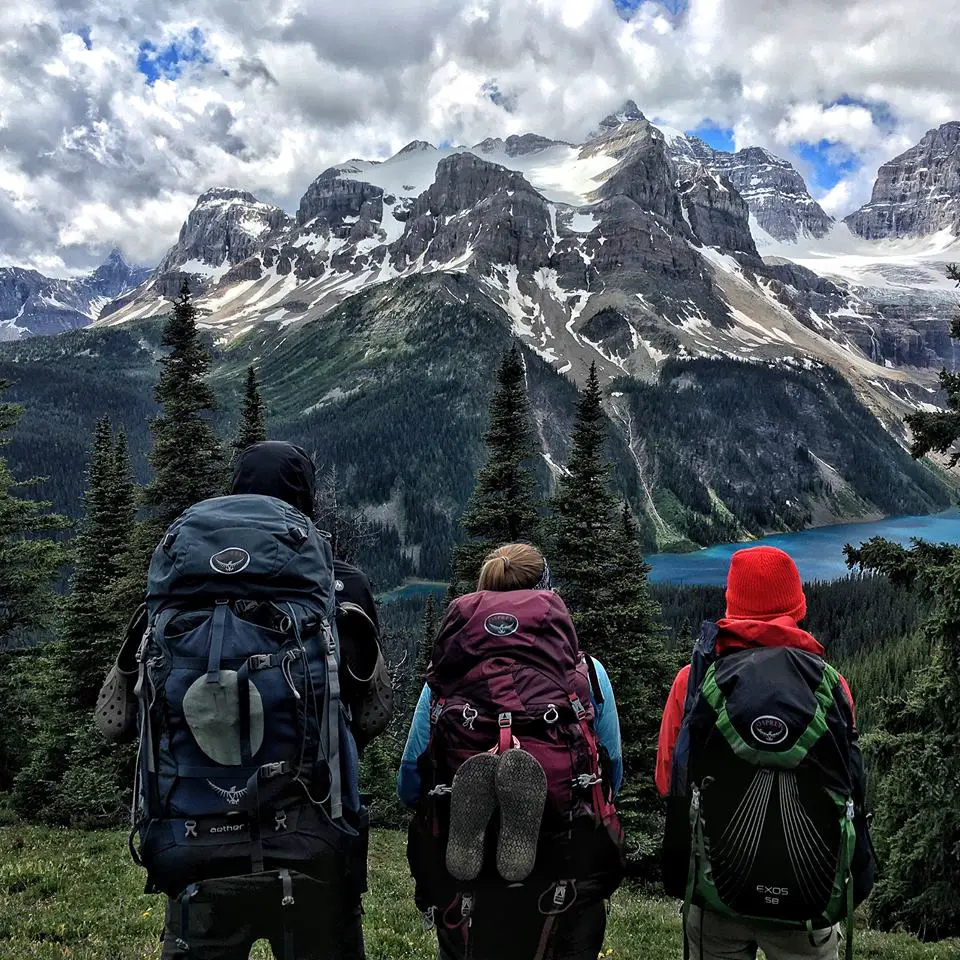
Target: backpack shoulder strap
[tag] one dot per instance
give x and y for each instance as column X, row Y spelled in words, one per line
column 594, row 680
column 704, row 655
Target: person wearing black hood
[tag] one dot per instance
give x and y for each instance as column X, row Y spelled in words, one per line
column 275, row 468
column 286, row 472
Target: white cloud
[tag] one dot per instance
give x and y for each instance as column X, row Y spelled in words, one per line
column 94, row 156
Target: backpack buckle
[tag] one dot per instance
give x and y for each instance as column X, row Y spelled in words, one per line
column 261, row 661
column 578, row 707
column 270, row 770
column 586, row 780
column 505, row 720
column 560, row 894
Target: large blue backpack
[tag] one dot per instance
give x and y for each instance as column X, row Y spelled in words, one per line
column 246, row 762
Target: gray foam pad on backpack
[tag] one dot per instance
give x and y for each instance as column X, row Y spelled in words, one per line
column 212, row 711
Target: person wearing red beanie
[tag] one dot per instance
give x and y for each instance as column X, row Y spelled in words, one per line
column 765, row 603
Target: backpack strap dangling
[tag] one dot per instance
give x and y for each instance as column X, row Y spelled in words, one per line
column 331, row 722
column 286, row 903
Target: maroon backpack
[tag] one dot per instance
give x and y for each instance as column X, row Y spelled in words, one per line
column 507, row 671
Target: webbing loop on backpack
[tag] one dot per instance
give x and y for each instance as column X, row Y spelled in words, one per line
column 218, row 627
column 505, row 722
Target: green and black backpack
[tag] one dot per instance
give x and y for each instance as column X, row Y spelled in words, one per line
column 766, row 810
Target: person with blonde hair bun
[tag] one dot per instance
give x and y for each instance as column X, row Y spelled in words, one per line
column 513, row 763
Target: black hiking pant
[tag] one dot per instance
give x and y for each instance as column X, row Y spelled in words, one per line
column 227, row 916
column 519, row 935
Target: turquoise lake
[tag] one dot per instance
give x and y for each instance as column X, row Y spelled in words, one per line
column 818, row 552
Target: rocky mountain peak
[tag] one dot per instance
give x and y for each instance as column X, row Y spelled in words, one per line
column 628, row 113
column 775, row 192
column 416, row 146
column 916, row 193
column 225, row 227
column 224, row 195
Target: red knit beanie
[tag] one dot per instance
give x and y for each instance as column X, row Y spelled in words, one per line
column 764, row 584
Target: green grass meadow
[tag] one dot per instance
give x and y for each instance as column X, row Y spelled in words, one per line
column 70, row 894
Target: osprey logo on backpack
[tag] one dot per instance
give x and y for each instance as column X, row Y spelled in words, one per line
column 230, row 561
column 501, row 624
column 769, row 730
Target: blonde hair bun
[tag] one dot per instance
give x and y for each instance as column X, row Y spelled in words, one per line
column 514, row 566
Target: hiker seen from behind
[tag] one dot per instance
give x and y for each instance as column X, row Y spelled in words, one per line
column 252, row 684
column 513, row 762
column 767, row 838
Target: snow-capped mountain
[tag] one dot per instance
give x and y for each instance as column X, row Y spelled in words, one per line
column 625, row 250
column 31, row 303
column 780, row 204
column 917, row 193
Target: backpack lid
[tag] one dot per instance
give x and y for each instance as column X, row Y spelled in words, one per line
column 249, row 547
column 531, row 626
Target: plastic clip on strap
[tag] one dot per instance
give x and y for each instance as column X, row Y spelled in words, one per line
column 217, row 630
column 286, row 902
column 600, row 806
column 506, row 733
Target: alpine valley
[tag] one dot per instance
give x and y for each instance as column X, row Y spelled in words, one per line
column 758, row 356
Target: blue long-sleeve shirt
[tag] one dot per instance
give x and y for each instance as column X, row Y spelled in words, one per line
column 607, row 725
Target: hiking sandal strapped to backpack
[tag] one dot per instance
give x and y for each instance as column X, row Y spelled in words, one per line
column 367, row 679
column 116, row 712
column 507, row 671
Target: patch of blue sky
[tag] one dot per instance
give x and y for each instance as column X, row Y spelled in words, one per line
column 720, row 138
column 830, row 162
column 627, row 8
column 168, row 62
column 83, row 32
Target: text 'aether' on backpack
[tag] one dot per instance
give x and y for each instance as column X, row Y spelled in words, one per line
column 246, row 763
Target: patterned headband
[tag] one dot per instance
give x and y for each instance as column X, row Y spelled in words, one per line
column 545, row 582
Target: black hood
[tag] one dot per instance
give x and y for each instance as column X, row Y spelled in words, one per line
column 278, row 469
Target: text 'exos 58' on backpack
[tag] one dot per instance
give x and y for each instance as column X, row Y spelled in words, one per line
column 766, row 815
column 246, row 761
column 507, row 671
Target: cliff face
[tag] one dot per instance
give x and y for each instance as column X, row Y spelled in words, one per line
column 917, row 193
column 774, row 191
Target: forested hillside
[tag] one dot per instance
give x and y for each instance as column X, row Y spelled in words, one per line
column 390, row 389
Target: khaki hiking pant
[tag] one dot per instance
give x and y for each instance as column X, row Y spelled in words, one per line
column 712, row 936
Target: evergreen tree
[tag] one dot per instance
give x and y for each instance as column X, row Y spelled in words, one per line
column 187, row 458
column 601, row 574
column 583, row 557
column 916, row 748
column 431, row 624
column 68, row 755
column 502, row 508
column 29, row 564
column 253, row 420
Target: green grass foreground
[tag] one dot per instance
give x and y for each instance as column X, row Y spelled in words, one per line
column 70, row 894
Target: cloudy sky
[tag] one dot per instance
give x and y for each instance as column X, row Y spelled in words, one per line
column 115, row 114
